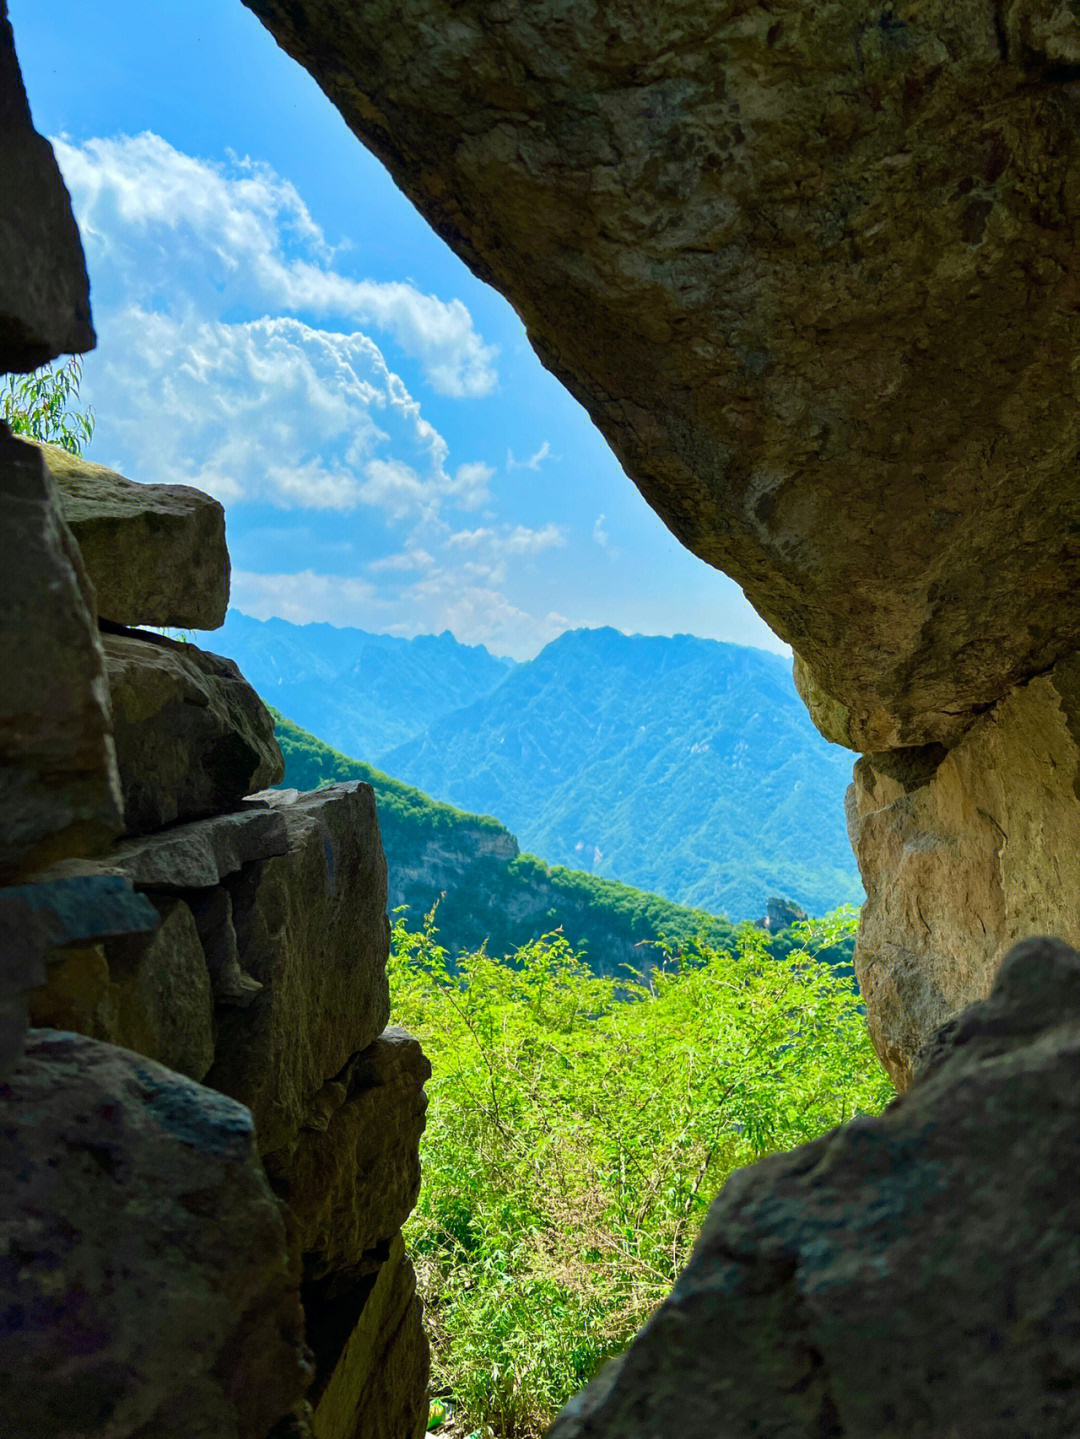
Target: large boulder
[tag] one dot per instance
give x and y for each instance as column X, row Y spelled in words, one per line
column 59, row 789
column 146, row 1285
column 964, row 852
column 192, row 737
column 791, row 258
column 311, row 929
column 44, row 290
column 156, row 553
column 915, row 1274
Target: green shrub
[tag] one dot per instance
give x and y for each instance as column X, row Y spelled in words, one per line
column 579, row 1127
column 43, row 406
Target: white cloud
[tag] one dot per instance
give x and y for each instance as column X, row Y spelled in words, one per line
column 269, row 410
column 519, row 540
column 239, row 235
column 599, row 533
column 402, row 562
column 533, row 462
column 301, row 598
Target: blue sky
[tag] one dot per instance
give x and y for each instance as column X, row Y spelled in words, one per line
column 278, row 326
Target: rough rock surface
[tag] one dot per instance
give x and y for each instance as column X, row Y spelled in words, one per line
column 377, row 1368
column 790, row 257
column 44, row 290
column 913, row 1274
column 36, row 918
column 156, row 554
column 190, row 856
column 59, row 791
column 311, row 928
column 149, row 993
column 125, row 1179
column 962, row 854
column 354, row 1175
column 192, row 737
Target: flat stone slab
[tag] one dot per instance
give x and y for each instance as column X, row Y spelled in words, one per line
column 156, row 553
column 192, row 737
column 190, row 856
column 44, row 290
column 146, row 1285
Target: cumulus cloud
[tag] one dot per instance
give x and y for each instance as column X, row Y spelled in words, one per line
column 516, row 540
column 302, row 598
column 270, row 410
column 599, row 533
column 238, row 234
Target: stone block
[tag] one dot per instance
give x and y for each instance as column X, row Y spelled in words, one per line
column 915, row 1273
column 44, row 290
column 59, row 790
column 192, row 737
column 354, row 1174
column 371, row 1354
column 156, row 554
column 146, row 1285
column 147, row 993
column 311, row 928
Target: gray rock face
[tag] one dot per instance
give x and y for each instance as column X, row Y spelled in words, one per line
column 913, row 1274
column 44, row 290
column 59, row 791
column 156, row 553
column 192, row 737
column 790, row 258
column 121, row 1174
column 962, row 854
column 311, row 928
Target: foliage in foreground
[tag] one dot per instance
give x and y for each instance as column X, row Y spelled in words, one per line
column 44, row 406
column 579, row 1127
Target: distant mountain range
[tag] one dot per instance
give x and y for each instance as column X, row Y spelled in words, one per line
column 681, row 766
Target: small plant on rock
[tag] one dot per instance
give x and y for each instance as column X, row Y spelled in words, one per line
column 44, row 406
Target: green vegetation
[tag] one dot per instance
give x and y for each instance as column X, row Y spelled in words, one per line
column 579, row 1127
column 44, row 406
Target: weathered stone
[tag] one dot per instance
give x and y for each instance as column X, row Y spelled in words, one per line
column 59, row 792
column 156, row 553
column 35, row 918
column 192, row 737
column 913, row 1274
column 148, row 993
column 145, row 1281
column 191, row 856
column 371, row 1371
column 791, row 259
column 962, row 854
column 311, row 927
column 44, row 290
column 352, row 1179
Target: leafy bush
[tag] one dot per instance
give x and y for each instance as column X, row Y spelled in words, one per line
column 579, row 1127
column 43, row 406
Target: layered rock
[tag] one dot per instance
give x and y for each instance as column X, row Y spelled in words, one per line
column 909, row 1274
column 59, row 788
column 146, row 1285
column 155, row 553
column 790, row 258
column 44, row 290
column 963, row 852
column 192, row 737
